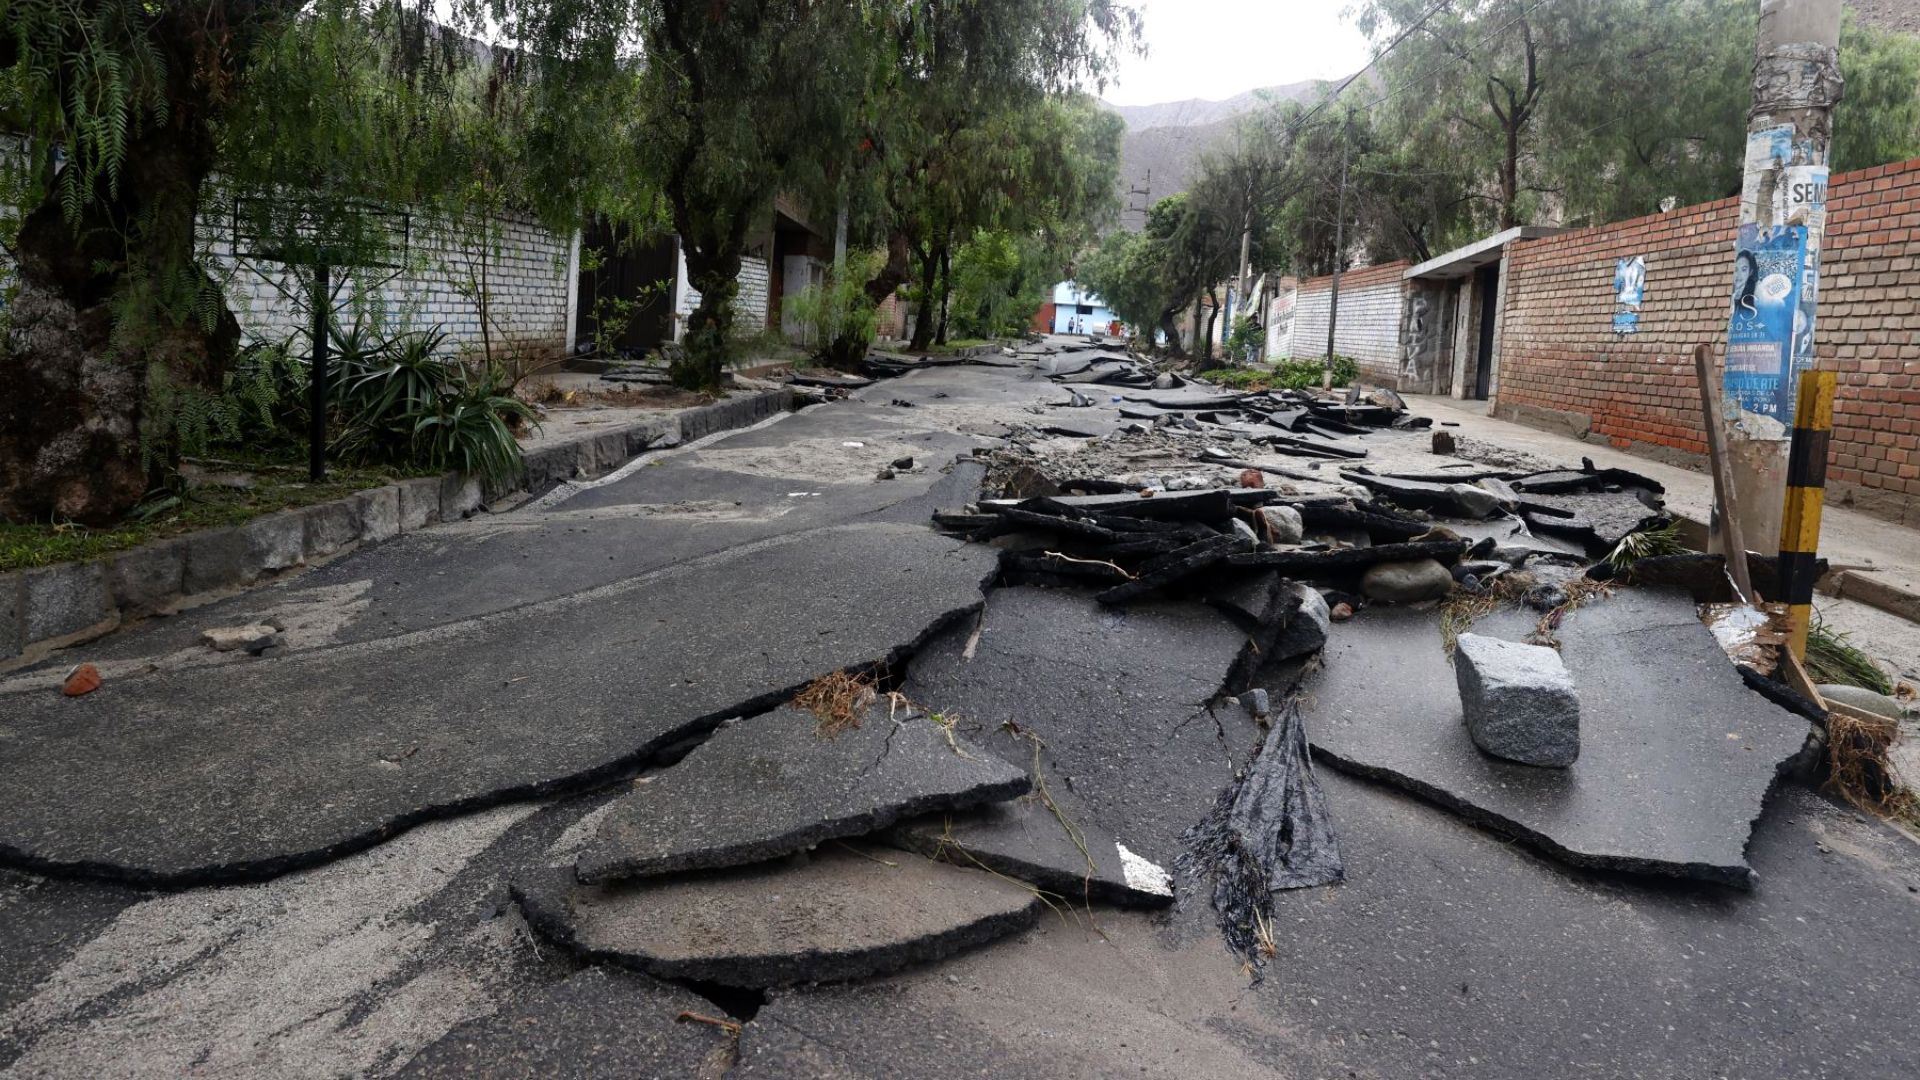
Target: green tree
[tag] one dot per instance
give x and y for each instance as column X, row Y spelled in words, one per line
column 944, row 143
column 302, row 108
column 741, row 98
column 1878, row 118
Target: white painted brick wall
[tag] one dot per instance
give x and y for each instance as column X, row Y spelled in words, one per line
column 527, row 269
column 524, row 267
column 749, row 308
column 1369, row 329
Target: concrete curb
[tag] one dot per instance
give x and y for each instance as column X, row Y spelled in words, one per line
column 50, row 607
column 1856, row 585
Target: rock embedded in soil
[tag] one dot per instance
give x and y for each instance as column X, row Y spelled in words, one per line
column 1407, row 582
column 1518, row 700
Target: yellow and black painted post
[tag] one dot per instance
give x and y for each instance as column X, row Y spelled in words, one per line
column 1806, row 497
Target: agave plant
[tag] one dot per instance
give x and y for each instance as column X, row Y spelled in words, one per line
column 472, row 430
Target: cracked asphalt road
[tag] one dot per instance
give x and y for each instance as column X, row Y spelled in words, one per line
column 1448, row 951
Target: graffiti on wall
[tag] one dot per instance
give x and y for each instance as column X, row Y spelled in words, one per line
column 1280, row 324
column 1629, row 293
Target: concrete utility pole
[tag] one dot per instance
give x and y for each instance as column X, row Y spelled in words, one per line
column 1796, row 83
column 1339, row 253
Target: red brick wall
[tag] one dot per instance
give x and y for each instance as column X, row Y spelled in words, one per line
column 1561, row 366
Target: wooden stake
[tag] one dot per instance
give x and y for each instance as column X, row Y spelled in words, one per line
column 1723, row 526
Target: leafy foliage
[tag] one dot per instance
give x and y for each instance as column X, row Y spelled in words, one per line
column 838, row 312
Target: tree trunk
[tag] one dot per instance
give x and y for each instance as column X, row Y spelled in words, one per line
column 923, row 316
column 716, row 273
column 99, row 315
column 1172, row 332
column 1207, row 360
column 946, row 291
column 844, row 351
column 1510, row 180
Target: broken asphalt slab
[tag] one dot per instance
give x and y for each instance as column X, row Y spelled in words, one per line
column 845, row 912
column 1677, row 755
column 247, row 770
column 771, row 785
column 598, row 1024
column 1118, row 701
column 1047, row 840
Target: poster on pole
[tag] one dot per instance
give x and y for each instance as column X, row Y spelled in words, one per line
column 1769, row 272
column 1629, row 293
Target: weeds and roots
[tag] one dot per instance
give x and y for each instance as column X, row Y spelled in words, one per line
column 838, row 700
column 1832, row 658
column 1645, row 544
column 1859, row 769
column 1462, row 610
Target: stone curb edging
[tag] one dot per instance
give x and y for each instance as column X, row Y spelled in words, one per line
column 49, row 607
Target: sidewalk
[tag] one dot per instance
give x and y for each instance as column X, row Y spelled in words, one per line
column 1874, row 561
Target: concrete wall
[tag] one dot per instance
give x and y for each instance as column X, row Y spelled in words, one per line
column 1371, row 303
column 1561, row 367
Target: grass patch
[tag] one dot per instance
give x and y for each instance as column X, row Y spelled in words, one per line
column 1285, row 375
column 956, row 345
column 279, row 483
column 1832, row 658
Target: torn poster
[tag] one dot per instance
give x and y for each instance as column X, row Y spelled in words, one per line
column 1768, row 272
column 1629, row 292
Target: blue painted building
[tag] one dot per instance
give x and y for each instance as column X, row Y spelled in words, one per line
column 1076, row 311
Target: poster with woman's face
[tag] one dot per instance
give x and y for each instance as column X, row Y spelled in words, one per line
column 1762, row 324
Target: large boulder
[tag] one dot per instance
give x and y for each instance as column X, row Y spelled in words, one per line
column 1407, row 582
column 1518, row 700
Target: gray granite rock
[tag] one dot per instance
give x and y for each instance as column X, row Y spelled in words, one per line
column 1863, row 700
column 1407, row 582
column 844, row 912
column 1308, row 626
column 770, row 785
column 1283, row 524
column 1518, row 700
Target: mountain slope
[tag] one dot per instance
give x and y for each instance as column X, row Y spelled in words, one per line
column 1164, row 141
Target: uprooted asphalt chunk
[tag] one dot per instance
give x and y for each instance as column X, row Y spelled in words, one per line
column 1118, row 700
column 845, row 912
column 1047, row 839
column 770, row 785
column 1269, row 830
column 1676, row 757
column 243, row 772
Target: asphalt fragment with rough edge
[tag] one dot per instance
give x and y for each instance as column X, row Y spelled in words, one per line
column 598, row 1023
column 1677, row 755
column 770, row 785
column 246, row 771
column 845, row 912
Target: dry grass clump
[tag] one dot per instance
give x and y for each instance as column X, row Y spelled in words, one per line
column 838, row 700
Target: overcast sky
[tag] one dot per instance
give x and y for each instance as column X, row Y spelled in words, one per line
column 1214, row 49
